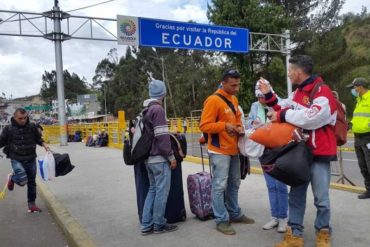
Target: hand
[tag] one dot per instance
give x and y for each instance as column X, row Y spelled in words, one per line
column 231, row 129
column 272, row 115
column 46, row 146
column 173, row 165
column 240, row 130
column 264, row 87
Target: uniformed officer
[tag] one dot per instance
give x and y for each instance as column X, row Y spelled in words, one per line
column 361, row 129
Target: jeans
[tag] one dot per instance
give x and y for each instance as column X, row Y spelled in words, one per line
column 320, row 181
column 155, row 203
column 363, row 157
column 278, row 197
column 30, row 168
column 225, row 187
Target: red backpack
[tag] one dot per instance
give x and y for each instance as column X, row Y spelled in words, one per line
column 341, row 125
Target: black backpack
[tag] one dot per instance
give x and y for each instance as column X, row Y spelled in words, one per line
column 137, row 147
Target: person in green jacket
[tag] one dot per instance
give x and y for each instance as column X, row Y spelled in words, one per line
column 361, row 129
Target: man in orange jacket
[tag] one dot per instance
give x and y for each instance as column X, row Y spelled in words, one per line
column 221, row 120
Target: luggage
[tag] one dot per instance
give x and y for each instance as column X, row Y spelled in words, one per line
column 175, row 209
column 199, row 190
column 289, row 164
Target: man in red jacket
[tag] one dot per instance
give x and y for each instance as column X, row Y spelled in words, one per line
column 316, row 114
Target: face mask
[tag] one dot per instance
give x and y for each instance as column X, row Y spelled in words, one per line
column 354, row 92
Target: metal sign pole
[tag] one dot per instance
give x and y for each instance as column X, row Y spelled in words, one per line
column 287, row 47
column 59, row 71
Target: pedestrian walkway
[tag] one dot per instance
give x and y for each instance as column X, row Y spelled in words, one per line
column 19, row 228
column 100, row 195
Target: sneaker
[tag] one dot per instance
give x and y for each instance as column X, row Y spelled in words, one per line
column 290, row 240
column 365, row 195
column 10, row 182
column 271, row 224
column 225, row 228
column 147, row 232
column 32, row 208
column 243, row 220
column 282, row 225
column 323, row 238
column 166, row 228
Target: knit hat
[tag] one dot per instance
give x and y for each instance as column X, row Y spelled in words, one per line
column 157, row 89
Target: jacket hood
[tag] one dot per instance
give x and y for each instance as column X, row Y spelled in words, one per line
column 148, row 101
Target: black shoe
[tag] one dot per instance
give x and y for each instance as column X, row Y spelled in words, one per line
column 147, row 232
column 365, row 195
column 166, row 228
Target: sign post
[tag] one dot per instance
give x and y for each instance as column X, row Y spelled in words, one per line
column 139, row 31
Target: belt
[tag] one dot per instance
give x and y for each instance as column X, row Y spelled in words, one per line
column 362, row 134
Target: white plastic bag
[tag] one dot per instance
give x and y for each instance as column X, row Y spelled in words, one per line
column 249, row 148
column 47, row 167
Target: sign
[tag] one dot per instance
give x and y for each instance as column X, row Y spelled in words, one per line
column 128, row 30
column 182, row 35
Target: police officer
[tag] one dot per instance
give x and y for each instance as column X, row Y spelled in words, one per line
column 361, row 129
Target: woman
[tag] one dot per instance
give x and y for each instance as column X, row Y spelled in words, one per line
column 278, row 192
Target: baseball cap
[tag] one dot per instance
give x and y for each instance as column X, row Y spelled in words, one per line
column 230, row 73
column 360, row 81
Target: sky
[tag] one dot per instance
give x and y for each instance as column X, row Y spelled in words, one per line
column 23, row 60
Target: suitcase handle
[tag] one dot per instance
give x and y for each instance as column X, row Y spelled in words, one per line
column 201, row 154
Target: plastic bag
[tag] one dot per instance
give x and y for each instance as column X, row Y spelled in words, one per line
column 47, row 167
column 249, row 148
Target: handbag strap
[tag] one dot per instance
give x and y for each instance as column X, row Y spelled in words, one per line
column 228, row 102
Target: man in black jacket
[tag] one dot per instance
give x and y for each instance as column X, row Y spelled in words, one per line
column 19, row 140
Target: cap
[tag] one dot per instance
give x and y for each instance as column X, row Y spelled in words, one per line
column 360, row 81
column 230, row 73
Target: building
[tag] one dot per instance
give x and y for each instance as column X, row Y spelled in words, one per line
column 91, row 103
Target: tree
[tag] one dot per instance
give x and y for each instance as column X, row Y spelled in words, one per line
column 267, row 17
column 73, row 86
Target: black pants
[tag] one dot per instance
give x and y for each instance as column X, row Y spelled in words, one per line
column 363, row 156
column 29, row 167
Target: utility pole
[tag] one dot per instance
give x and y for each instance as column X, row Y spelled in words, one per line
column 165, row 99
column 287, row 47
column 57, row 18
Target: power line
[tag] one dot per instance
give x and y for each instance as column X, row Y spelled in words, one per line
column 90, row 6
column 38, row 17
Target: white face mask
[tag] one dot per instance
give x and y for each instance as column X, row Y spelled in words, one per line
column 354, row 92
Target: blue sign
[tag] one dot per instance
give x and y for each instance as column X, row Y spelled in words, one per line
column 183, row 35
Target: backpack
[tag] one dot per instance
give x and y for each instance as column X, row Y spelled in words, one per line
column 179, row 146
column 136, row 148
column 341, row 125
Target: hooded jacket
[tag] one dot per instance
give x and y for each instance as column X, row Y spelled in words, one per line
column 318, row 118
column 21, row 140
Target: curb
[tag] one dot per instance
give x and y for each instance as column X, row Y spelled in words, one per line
column 75, row 234
column 256, row 170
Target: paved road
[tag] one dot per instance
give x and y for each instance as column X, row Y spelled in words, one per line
column 21, row 229
column 350, row 165
column 100, row 194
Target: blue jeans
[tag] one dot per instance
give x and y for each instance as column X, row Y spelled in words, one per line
column 225, row 187
column 155, row 203
column 320, row 181
column 278, row 197
column 29, row 167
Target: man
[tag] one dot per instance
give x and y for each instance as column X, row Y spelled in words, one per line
column 160, row 161
column 361, row 129
column 185, row 125
column 221, row 120
column 318, row 120
column 20, row 139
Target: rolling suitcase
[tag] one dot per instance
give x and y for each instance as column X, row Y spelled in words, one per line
column 175, row 209
column 199, row 190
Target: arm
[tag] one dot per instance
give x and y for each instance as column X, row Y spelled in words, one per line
column 252, row 115
column 318, row 115
column 39, row 140
column 4, row 137
column 209, row 123
column 161, row 134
